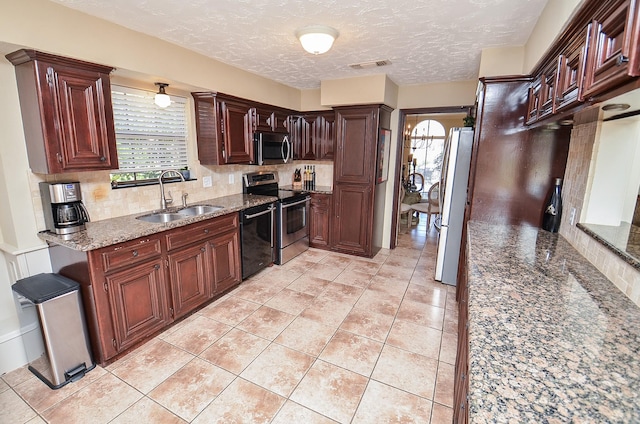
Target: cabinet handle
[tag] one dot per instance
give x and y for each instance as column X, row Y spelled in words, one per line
column 622, row 59
column 156, row 267
column 114, row 343
column 134, row 253
column 106, row 287
column 59, row 157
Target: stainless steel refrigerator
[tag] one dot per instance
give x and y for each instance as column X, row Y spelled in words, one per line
column 453, row 196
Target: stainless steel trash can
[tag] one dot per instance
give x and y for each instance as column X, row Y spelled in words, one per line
column 67, row 354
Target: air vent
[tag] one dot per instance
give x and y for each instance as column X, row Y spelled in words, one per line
column 372, row 64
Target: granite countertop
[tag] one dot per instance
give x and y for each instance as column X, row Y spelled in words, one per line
column 124, row 228
column 550, row 338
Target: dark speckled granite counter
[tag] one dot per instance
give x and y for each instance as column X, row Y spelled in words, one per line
column 117, row 230
column 551, row 340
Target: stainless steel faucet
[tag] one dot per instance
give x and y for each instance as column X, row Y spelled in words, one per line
column 164, row 201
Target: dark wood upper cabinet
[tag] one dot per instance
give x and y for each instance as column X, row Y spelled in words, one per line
column 356, row 138
column 548, row 91
column 66, row 112
column 613, row 47
column 314, row 135
column 236, row 129
column 571, row 72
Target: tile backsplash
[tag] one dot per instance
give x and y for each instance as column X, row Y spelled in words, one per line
column 622, row 275
column 103, row 202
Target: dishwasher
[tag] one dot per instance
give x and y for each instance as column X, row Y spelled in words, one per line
column 257, row 231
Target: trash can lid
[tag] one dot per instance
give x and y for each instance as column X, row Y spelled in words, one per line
column 42, row 287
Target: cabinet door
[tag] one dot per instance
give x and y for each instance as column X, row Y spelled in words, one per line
column 138, row 302
column 327, row 136
column 190, row 275
column 612, row 55
column 294, row 127
column 533, row 104
column 308, row 129
column 570, row 73
column 261, row 119
column 356, row 140
column 236, row 131
column 352, row 219
column 225, row 255
column 278, row 121
column 548, row 91
column 319, row 220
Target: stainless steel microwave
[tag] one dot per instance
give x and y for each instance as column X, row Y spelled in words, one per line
column 272, row 148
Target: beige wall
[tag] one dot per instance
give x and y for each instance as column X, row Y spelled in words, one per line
column 552, row 20
column 502, row 61
column 371, row 89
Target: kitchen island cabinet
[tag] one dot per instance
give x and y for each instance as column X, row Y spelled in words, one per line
column 66, row 113
column 134, row 287
column 550, row 339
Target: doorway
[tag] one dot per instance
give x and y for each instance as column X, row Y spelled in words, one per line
column 419, row 155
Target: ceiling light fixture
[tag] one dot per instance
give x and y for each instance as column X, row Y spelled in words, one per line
column 162, row 99
column 317, row 39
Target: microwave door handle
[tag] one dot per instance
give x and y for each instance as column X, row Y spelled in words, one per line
column 284, row 142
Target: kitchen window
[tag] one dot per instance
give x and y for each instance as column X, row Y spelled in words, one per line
column 149, row 139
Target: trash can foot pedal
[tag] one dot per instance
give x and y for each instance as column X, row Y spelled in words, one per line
column 76, row 373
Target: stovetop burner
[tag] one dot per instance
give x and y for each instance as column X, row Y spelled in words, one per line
column 265, row 183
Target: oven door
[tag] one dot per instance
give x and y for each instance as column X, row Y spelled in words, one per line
column 294, row 221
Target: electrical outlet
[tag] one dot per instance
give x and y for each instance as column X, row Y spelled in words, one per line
column 572, row 216
column 232, row 178
column 206, row 181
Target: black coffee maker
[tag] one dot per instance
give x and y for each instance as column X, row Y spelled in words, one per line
column 64, row 212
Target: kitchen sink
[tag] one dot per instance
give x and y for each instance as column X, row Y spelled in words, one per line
column 161, row 217
column 199, row 210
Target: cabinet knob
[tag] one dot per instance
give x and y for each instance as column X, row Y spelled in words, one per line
column 103, row 159
column 206, row 231
column 156, row 267
column 59, row 157
column 622, row 59
column 134, row 253
column 202, row 249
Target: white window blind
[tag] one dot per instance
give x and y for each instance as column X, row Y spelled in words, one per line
column 149, row 138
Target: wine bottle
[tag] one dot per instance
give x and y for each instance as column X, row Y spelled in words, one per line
column 553, row 209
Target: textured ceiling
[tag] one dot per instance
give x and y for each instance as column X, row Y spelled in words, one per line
column 425, row 40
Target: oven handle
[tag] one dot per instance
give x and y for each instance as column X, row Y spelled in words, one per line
column 288, row 205
column 260, row 213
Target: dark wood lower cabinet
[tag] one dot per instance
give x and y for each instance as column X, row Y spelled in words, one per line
column 134, row 289
column 320, row 212
column 352, row 219
column 461, row 383
column 189, row 276
column 138, row 298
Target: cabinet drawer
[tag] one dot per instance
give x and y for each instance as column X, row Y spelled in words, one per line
column 202, row 230
column 130, row 253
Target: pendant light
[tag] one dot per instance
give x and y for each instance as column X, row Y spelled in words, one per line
column 162, row 99
column 317, row 39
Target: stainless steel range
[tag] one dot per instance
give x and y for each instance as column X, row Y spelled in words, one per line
column 292, row 214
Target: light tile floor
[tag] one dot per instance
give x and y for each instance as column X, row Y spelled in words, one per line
column 325, row 338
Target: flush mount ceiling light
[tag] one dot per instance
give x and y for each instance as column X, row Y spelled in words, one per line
column 615, row 106
column 162, row 99
column 317, row 39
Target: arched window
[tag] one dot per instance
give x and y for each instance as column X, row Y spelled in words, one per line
column 426, row 144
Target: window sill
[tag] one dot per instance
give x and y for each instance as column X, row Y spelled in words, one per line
column 129, row 184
